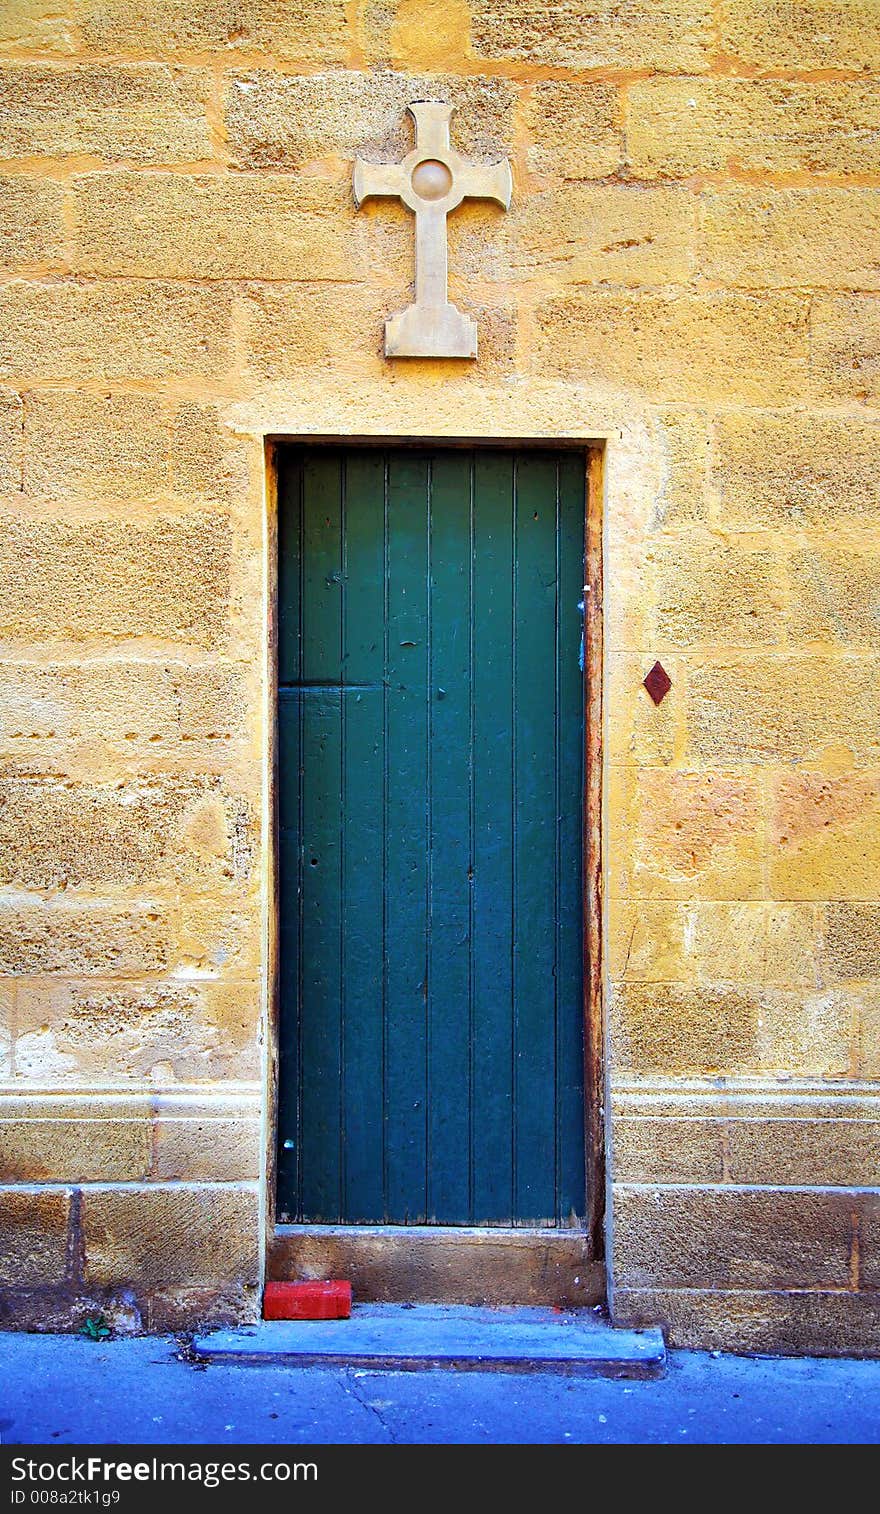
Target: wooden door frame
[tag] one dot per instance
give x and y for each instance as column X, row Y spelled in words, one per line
column 485, row 1264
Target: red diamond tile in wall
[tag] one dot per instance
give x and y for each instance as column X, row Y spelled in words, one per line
column 658, row 683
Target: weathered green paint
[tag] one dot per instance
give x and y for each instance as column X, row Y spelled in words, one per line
column 430, row 800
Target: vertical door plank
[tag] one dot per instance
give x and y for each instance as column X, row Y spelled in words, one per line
column 363, row 1069
column 289, row 862
column 363, row 658
column 492, row 987
column 320, row 947
column 289, row 567
column 364, row 759
column 406, row 838
column 290, row 856
column 322, row 819
column 534, row 1050
column 571, row 1153
column 322, row 568
column 449, row 706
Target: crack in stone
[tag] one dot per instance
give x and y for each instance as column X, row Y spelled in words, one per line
column 348, row 1385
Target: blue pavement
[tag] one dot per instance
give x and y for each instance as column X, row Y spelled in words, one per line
column 57, row 1389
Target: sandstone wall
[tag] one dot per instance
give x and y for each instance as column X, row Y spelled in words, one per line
column 690, row 273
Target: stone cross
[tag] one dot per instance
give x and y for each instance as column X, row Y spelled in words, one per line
column 431, row 181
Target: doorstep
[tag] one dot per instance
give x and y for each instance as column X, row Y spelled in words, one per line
column 411, row 1337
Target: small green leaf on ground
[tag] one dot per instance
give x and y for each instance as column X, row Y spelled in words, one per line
column 96, row 1327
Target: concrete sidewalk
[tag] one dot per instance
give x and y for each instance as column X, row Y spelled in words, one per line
column 57, row 1389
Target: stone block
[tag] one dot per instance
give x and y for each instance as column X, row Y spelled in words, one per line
column 124, row 1033
column 291, row 328
column 496, row 320
column 375, row 22
column 31, row 223
column 156, row 1237
column 666, row 35
column 208, row 462
column 800, row 1150
column 217, row 703
column 33, row 1227
column 219, row 941
column 210, row 226
column 784, row 708
column 728, row 941
column 575, row 129
column 62, row 1309
column 55, row 833
column 868, row 1263
column 824, row 840
column 797, row 468
column 210, row 1307
column 98, row 936
column 678, row 1030
column 73, row 1150
column 94, row 446
column 677, row 128
column 652, row 1150
column 805, row 1034
column 138, row 113
column 11, row 440
column 165, row 578
column 760, row 1323
column 608, row 234
column 769, row 238
column 865, row 1001
column 710, row 593
column 677, row 345
column 115, row 329
column 284, row 120
column 793, row 945
column 286, row 29
column 685, row 835
column 430, row 34
column 647, row 942
column 851, row 939
column 44, row 26
column 683, row 439
column 835, row 597
column 131, row 702
column 7, row 1026
column 206, row 1148
column 705, row 1237
column 809, row 35
column 638, row 730
column 845, row 346
column 706, row 942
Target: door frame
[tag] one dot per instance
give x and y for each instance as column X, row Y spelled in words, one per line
column 485, row 1264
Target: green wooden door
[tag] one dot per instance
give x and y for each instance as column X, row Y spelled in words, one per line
column 430, row 783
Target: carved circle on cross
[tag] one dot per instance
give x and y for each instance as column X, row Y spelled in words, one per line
column 435, row 181
column 431, row 179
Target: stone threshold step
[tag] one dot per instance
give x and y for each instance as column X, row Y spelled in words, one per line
column 413, row 1337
